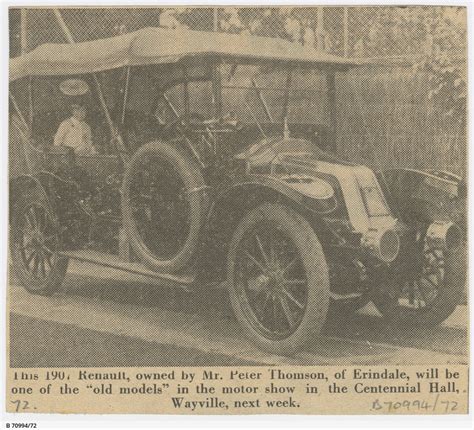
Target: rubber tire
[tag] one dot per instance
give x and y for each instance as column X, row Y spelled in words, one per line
column 306, row 241
column 192, row 178
column 444, row 305
column 58, row 272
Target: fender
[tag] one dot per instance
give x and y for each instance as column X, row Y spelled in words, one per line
column 312, row 194
column 428, row 195
column 41, row 182
column 26, row 182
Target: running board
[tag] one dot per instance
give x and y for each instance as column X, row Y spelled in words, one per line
column 114, row 262
column 351, row 296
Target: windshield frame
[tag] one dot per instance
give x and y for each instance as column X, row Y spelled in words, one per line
column 213, row 72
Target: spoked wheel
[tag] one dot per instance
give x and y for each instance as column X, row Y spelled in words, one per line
column 35, row 244
column 431, row 297
column 278, row 279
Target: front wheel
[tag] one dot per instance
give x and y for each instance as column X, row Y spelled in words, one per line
column 431, row 297
column 35, row 244
column 278, row 279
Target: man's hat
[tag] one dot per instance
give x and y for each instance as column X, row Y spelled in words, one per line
column 74, row 87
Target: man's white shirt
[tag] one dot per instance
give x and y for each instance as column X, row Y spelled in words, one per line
column 76, row 134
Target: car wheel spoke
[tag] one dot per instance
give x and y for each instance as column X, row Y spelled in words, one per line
column 272, row 252
column 48, row 250
column 290, row 265
column 428, row 279
column 255, row 261
column 27, row 245
column 34, row 220
column 29, row 222
column 287, row 311
column 30, row 258
column 35, row 264
column 48, row 260
column 293, row 299
column 49, row 238
column 42, row 264
column 40, row 218
column 262, row 250
column 24, row 232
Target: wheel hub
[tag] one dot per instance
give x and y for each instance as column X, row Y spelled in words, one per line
column 272, row 280
column 276, row 278
column 262, row 282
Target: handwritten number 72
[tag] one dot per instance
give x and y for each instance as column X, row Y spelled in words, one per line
column 21, row 405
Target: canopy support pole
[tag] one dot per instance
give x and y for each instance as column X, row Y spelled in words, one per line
column 286, row 100
column 331, row 84
column 17, row 109
column 187, row 108
column 262, row 100
column 26, row 137
column 216, row 91
column 30, row 102
column 116, row 137
column 24, row 30
column 125, row 96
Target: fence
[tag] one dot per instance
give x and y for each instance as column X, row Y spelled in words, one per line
column 351, row 31
column 385, row 112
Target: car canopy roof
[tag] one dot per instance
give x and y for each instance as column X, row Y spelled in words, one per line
column 160, row 46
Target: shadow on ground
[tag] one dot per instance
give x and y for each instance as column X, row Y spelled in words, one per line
column 212, row 304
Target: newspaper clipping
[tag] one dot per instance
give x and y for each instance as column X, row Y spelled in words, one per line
column 237, row 210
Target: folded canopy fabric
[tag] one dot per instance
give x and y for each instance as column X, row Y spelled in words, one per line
column 158, row 46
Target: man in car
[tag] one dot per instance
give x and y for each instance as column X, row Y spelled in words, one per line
column 75, row 132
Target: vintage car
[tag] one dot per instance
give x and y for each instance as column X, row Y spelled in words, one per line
column 215, row 165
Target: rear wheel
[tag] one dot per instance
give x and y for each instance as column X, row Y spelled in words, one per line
column 35, row 244
column 431, row 297
column 278, row 279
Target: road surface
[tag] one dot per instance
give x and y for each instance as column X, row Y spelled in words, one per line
column 116, row 319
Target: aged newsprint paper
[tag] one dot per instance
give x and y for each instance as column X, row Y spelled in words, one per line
column 237, row 210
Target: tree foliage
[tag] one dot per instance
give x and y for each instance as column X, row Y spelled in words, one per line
column 434, row 38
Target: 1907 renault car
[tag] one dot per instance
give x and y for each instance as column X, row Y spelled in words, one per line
column 215, row 163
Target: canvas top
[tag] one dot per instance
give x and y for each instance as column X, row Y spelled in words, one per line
column 155, row 45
